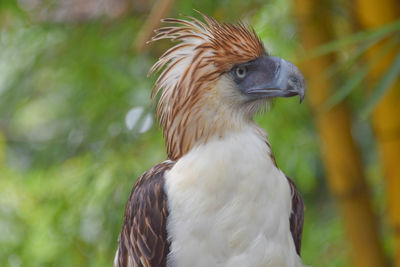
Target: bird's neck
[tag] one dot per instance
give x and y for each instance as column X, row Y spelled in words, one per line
column 210, row 112
column 190, row 129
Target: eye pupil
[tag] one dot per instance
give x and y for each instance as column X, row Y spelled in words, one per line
column 241, row 72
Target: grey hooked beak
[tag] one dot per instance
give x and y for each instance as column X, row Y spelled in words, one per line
column 277, row 78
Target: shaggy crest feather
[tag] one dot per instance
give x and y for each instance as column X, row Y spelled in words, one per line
column 192, row 67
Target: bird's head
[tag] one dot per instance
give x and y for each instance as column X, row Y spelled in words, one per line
column 214, row 81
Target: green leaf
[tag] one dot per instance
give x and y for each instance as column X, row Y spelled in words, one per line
column 384, row 84
column 355, row 38
column 358, row 77
column 347, row 88
column 350, row 61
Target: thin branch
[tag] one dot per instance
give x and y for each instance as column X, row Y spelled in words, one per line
column 159, row 11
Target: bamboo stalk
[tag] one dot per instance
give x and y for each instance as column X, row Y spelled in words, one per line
column 386, row 116
column 341, row 157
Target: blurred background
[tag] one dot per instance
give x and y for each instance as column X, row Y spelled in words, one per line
column 77, row 125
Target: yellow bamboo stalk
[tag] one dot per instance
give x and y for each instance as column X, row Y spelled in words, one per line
column 341, row 157
column 386, row 116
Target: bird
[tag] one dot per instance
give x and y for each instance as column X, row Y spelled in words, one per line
column 219, row 199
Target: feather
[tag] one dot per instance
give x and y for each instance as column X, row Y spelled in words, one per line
column 143, row 239
column 297, row 216
column 190, row 112
column 204, row 52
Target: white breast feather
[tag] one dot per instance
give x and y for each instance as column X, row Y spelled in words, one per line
column 229, row 205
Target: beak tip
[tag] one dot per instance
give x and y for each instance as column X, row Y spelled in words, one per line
column 301, row 98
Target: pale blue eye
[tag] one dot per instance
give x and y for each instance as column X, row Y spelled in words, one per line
column 241, row 72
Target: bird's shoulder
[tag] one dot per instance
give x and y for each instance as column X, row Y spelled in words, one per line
column 143, row 239
column 296, row 216
column 296, row 219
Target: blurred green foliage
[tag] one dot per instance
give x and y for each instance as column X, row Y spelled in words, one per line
column 67, row 158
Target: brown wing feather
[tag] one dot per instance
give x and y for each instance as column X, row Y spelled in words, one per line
column 297, row 216
column 143, row 238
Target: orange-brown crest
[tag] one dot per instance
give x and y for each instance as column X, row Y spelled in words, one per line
column 205, row 51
